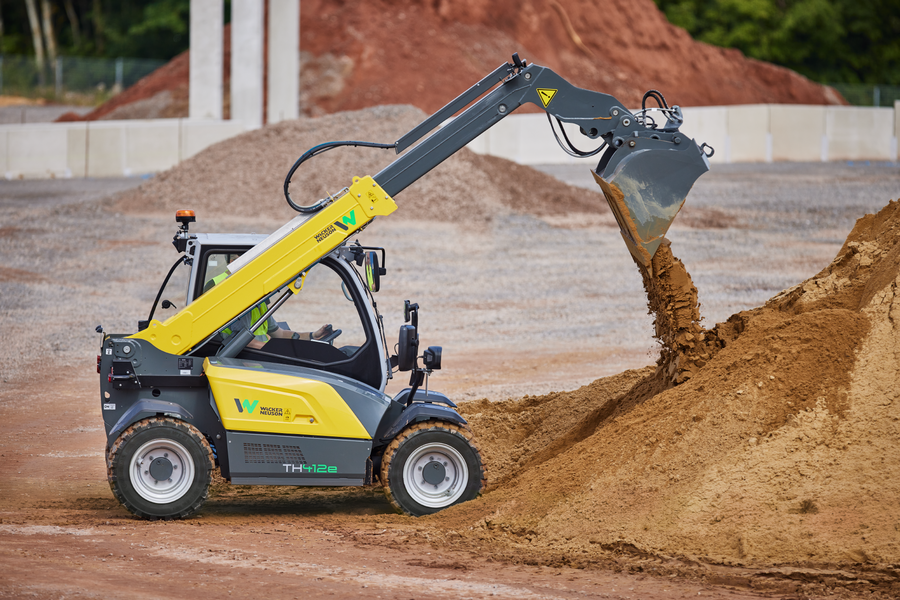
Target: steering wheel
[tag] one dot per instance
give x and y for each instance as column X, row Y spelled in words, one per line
column 328, row 339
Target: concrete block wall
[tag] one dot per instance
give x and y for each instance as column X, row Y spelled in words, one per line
column 803, row 133
column 749, row 133
column 105, row 148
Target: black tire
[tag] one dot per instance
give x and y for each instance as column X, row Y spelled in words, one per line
column 177, row 493
column 449, row 456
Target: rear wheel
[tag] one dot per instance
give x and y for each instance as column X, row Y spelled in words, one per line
column 160, row 468
column 431, row 466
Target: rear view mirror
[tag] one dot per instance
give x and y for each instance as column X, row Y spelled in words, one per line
column 373, row 271
column 408, row 348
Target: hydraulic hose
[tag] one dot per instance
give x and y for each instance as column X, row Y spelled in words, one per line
column 181, row 259
column 315, row 151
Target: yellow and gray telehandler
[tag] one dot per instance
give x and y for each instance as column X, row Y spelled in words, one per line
column 274, row 369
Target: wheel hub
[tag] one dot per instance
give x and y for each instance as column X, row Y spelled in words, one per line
column 161, row 469
column 435, row 475
column 434, row 472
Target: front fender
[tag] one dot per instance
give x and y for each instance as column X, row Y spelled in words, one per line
column 417, row 413
column 143, row 409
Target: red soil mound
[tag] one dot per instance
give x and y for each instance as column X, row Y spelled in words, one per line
column 359, row 54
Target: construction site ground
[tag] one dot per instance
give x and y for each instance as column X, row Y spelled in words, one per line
column 522, row 305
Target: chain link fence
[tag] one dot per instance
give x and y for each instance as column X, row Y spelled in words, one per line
column 71, row 77
column 859, row 94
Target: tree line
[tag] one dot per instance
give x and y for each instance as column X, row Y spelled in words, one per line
column 830, row 41
column 99, row 28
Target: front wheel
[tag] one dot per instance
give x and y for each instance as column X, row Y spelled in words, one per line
column 431, row 466
column 160, row 468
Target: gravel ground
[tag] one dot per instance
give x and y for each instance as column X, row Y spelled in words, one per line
column 520, row 307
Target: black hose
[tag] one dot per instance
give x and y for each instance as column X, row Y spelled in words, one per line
column 656, row 95
column 315, row 151
column 180, row 260
column 571, row 150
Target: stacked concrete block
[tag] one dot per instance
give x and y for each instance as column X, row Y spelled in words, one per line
column 76, row 150
column 748, row 138
column 36, row 150
column 859, row 133
column 106, row 149
column 151, row 146
column 896, row 129
column 709, row 124
column 198, row 135
column 798, row 132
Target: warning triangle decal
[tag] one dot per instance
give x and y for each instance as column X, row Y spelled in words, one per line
column 546, row 95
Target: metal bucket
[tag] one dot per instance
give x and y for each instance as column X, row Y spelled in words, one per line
column 645, row 189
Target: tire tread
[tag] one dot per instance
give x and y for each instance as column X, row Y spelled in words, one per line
column 464, row 432
column 145, row 425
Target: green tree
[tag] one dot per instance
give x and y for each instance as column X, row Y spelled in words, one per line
column 852, row 41
column 103, row 28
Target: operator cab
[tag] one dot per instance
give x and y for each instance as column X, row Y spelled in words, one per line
column 331, row 324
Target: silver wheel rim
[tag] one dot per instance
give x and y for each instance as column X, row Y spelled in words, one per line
column 448, row 491
column 162, row 491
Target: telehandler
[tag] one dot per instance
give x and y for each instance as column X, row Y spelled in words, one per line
column 301, row 401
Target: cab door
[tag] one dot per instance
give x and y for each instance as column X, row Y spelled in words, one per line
column 332, row 295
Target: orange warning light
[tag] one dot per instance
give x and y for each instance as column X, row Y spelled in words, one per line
column 184, row 217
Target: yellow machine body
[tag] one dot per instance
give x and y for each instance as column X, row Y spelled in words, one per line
column 262, row 401
column 319, row 235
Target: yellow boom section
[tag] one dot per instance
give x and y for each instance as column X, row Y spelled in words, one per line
column 320, row 234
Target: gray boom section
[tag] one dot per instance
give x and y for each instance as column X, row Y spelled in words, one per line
column 590, row 110
column 461, row 101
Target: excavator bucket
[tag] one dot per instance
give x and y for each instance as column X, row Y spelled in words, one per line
column 646, row 188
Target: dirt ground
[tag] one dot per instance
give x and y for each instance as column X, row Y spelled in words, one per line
column 522, row 308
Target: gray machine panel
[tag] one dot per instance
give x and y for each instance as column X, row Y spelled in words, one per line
column 296, row 459
column 335, row 482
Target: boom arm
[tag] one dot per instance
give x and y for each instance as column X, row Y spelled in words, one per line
column 645, row 174
column 592, row 111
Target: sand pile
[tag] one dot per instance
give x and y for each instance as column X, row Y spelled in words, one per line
column 244, row 175
column 782, row 448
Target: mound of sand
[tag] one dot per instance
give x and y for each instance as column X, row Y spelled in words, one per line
column 245, row 175
column 781, row 447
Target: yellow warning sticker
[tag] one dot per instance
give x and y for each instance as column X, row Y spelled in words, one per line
column 546, row 95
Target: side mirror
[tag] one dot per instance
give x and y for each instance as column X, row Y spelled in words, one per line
column 373, row 271
column 408, row 348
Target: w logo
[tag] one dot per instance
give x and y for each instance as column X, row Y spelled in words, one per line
column 246, row 404
column 346, row 220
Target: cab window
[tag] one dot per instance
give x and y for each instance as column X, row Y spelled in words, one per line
column 213, row 269
column 321, row 303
